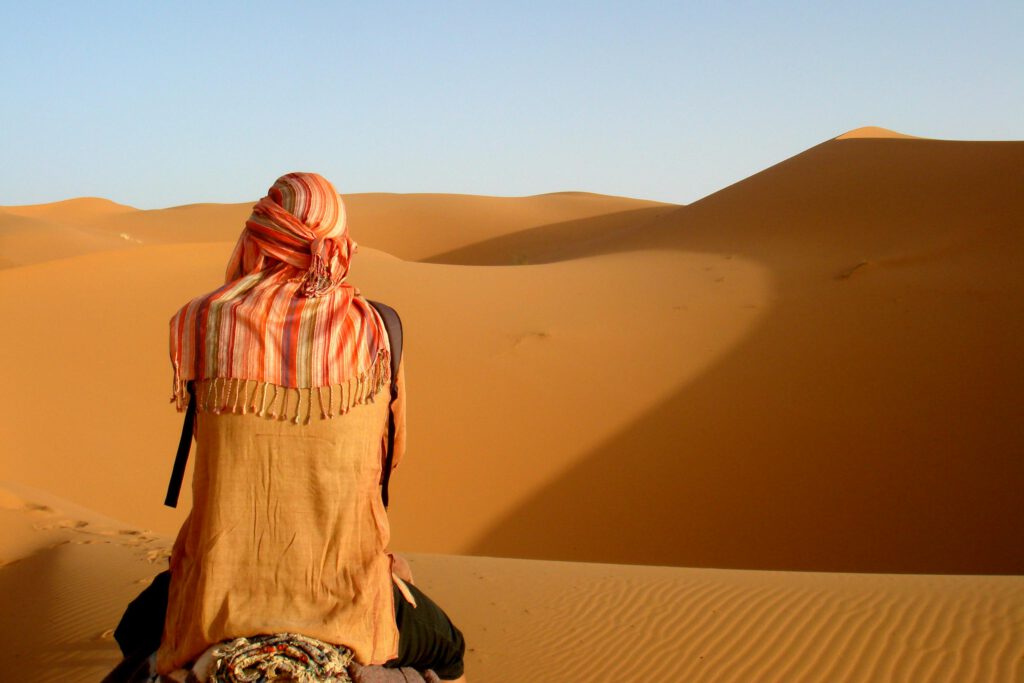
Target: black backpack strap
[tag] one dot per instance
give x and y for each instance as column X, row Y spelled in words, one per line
column 393, row 324
column 184, row 446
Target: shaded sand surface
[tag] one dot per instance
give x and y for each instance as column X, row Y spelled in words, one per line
column 67, row 577
column 868, row 420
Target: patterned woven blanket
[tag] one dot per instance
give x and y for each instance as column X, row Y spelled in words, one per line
column 280, row 657
column 283, row 657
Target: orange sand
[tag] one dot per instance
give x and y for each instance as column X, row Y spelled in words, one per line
column 553, row 621
column 816, row 368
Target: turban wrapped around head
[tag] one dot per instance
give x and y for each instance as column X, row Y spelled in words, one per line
column 300, row 224
column 286, row 316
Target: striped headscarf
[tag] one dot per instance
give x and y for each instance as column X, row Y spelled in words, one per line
column 285, row 319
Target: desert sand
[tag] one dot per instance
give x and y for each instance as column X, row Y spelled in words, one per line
column 73, row 571
column 770, row 435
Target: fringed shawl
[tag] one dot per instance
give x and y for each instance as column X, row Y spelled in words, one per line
column 285, row 321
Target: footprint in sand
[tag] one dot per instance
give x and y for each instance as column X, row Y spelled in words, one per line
column 157, row 555
column 71, row 524
column 848, row 272
column 530, row 336
column 150, row 547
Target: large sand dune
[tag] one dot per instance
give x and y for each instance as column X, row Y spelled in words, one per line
column 816, row 368
column 869, row 420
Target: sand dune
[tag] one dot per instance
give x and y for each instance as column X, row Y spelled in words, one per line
column 816, row 368
column 553, row 621
column 424, row 227
column 79, row 211
column 121, row 432
column 66, row 575
column 41, row 232
column 25, row 239
column 874, row 132
column 550, row 242
column 812, row 369
column 410, row 226
column 868, row 422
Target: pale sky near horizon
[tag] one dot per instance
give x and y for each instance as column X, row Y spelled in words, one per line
column 159, row 104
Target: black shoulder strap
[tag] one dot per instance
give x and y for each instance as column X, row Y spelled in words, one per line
column 393, row 324
column 184, row 446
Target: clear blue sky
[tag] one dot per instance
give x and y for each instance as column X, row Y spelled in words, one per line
column 162, row 103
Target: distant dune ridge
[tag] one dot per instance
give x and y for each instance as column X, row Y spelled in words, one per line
column 874, row 132
column 816, row 368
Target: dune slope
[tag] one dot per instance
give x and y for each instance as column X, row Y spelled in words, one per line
column 815, row 368
column 868, row 422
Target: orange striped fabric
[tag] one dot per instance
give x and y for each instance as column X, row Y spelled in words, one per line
column 286, row 319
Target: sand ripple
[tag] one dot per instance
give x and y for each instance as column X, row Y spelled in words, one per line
column 563, row 621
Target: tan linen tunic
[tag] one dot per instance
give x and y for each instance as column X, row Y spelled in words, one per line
column 287, row 533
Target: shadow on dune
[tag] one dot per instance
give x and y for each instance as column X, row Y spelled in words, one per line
column 45, row 605
column 553, row 242
column 871, row 423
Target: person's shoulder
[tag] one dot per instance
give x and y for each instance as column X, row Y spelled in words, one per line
column 189, row 305
column 195, row 304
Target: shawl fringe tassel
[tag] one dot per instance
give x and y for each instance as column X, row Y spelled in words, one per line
column 296, row 404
